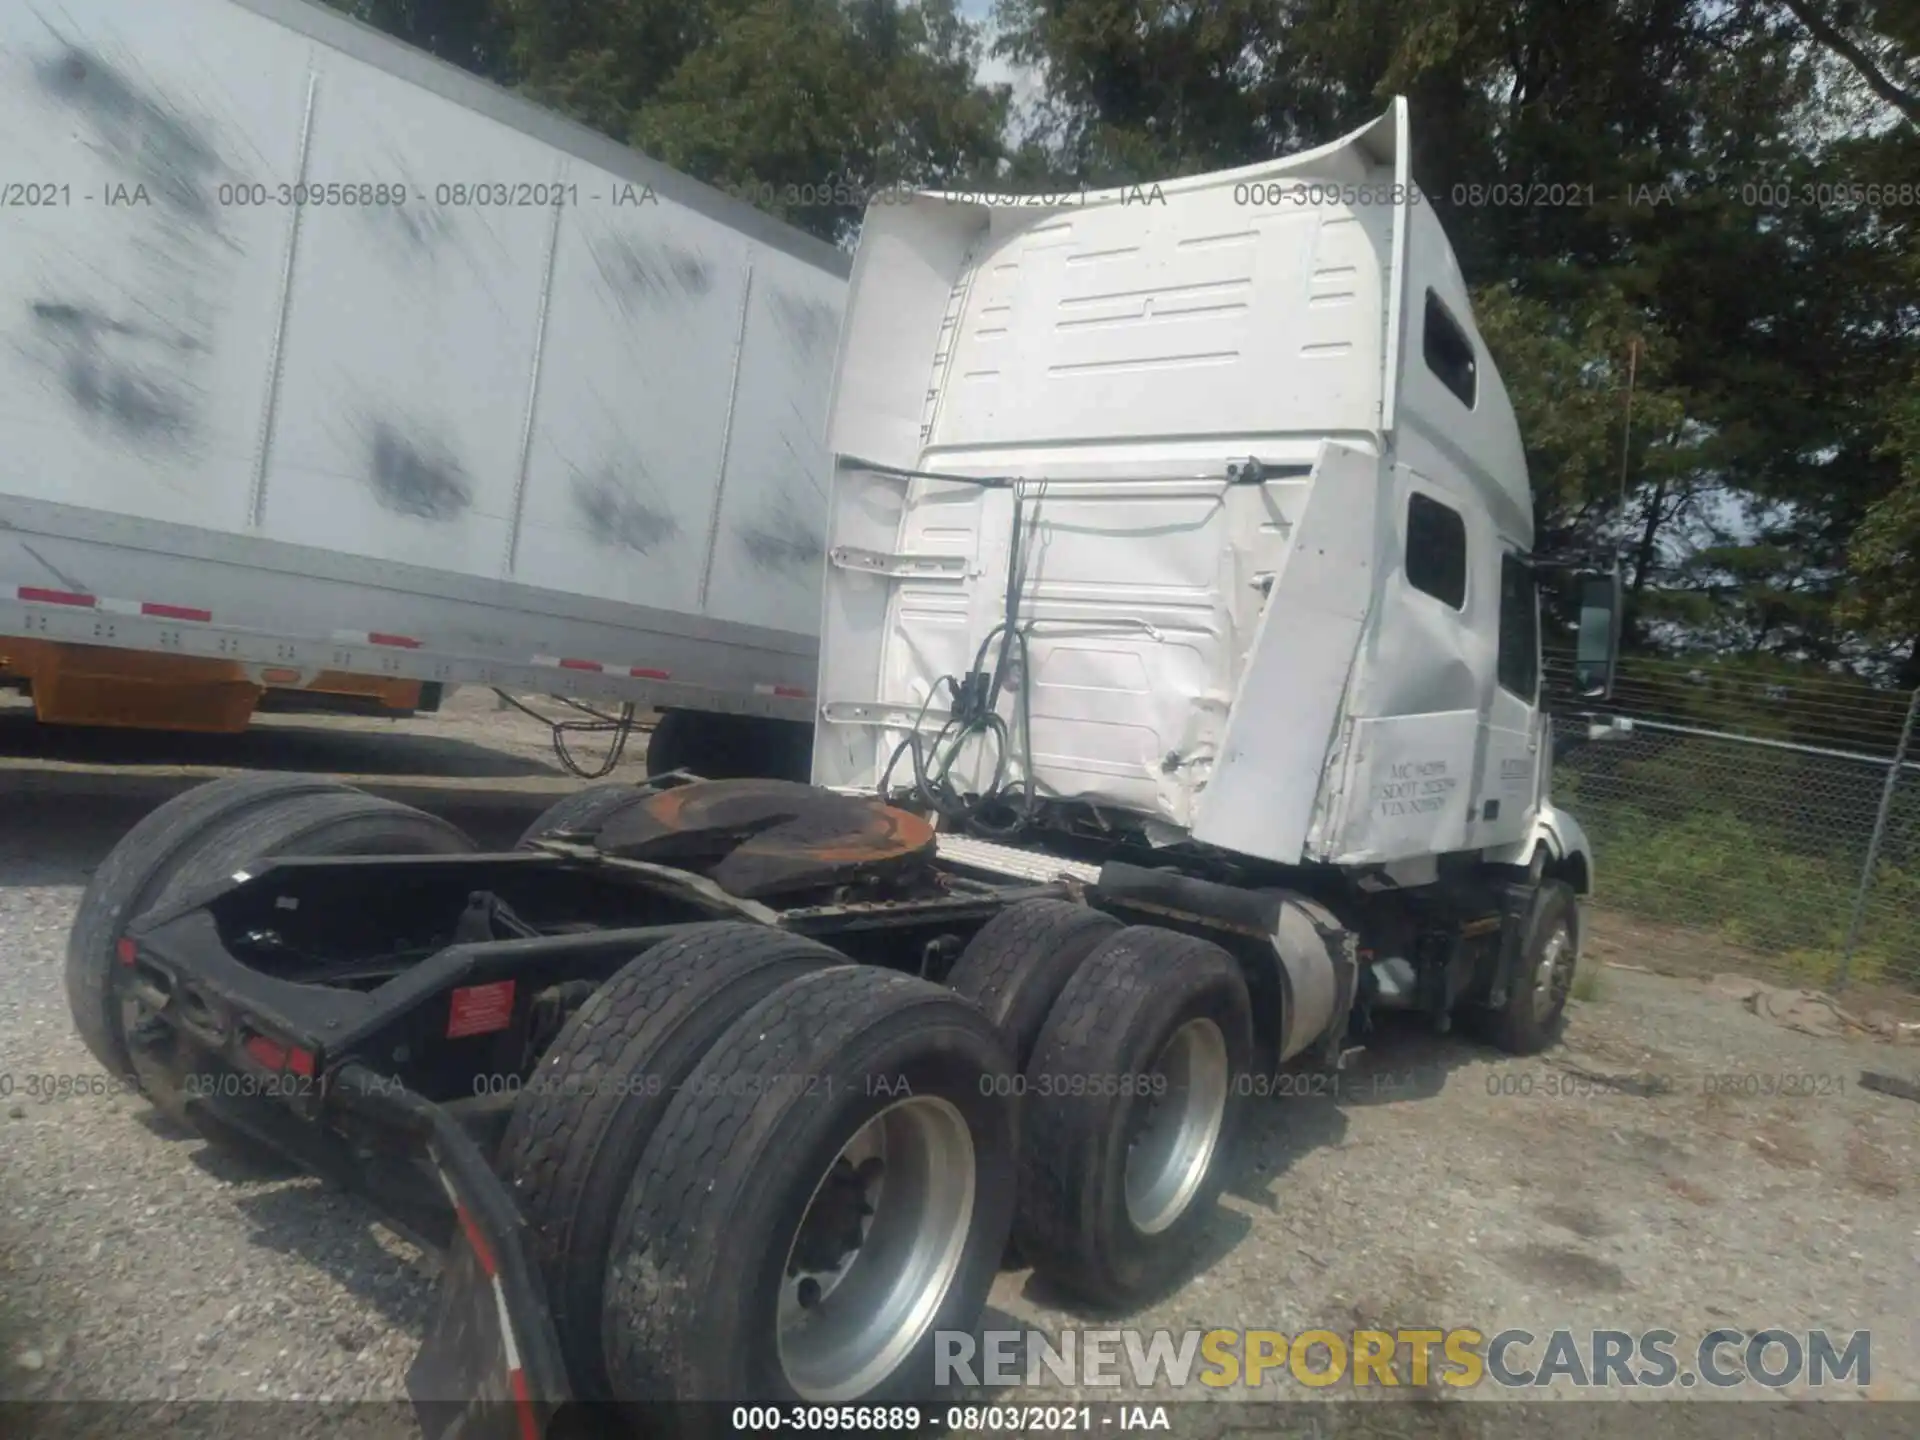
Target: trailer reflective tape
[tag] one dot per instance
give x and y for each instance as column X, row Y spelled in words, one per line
column 54, row 597
column 594, row 665
column 785, row 692
column 480, row 1009
column 148, row 609
column 152, row 610
column 640, row 672
column 375, row 637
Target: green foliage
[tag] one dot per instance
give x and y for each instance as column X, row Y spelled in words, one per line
column 804, row 106
column 1675, row 842
column 864, row 96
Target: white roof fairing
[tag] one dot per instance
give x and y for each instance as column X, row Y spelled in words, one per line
column 1246, row 311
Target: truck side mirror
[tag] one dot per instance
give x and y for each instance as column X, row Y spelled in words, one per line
column 1597, row 651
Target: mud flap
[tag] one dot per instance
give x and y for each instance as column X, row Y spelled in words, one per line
column 481, row 1373
column 490, row 1367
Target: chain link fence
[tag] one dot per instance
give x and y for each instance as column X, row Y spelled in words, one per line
column 1774, row 823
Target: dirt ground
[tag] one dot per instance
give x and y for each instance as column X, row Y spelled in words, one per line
column 1677, row 1162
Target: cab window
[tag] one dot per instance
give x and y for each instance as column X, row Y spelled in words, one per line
column 1519, row 662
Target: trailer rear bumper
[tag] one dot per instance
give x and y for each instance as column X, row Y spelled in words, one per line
column 490, row 1366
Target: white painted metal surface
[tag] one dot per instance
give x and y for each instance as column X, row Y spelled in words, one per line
column 293, row 332
column 1009, row 863
column 1228, row 653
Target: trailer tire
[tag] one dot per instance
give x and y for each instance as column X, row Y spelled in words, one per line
column 730, row 747
column 131, row 878
column 1020, row 961
column 1151, row 1015
column 584, row 810
column 1537, row 993
column 598, row 1095
column 702, row 1299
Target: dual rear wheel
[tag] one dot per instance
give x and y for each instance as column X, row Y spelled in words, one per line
column 754, row 1170
column 1133, row 1045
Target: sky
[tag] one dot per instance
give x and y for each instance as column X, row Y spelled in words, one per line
column 993, row 70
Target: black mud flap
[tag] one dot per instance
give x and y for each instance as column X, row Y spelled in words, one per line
column 490, row 1367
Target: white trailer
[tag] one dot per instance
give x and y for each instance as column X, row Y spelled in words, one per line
column 327, row 366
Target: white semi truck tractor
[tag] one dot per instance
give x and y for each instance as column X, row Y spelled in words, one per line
column 1179, row 711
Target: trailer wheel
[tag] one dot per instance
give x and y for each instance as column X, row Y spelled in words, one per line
column 131, row 878
column 730, row 747
column 585, row 1115
column 586, row 809
column 1020, row 961
column 1132, row 1099
column 1537, row 994
column 831, row 1187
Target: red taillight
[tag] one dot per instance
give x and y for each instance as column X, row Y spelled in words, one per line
column 124, row 948
column 268, row 1052
column 299, row 1061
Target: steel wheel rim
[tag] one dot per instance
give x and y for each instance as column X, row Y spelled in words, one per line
column 1173, row 1148
column 842, row 1329
column 1553, row 976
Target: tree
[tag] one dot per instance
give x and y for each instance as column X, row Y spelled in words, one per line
column 804, row 106
column 473, row 34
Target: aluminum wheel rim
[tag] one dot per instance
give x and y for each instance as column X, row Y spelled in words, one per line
column 1553, row 976
column 1172, row 1150
column 843, row 1328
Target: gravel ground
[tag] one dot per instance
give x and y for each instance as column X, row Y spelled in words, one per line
column 1444, row 1186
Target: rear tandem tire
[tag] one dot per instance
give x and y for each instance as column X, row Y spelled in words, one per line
column 211, row 836
column 871, row 1106
column 1148, row 1048
column 584, row 810
column 598, row 1095
column 1015, row 967
column 131, row 878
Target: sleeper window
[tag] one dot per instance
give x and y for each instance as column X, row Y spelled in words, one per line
column 1449, row 353
column 1437, row 550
